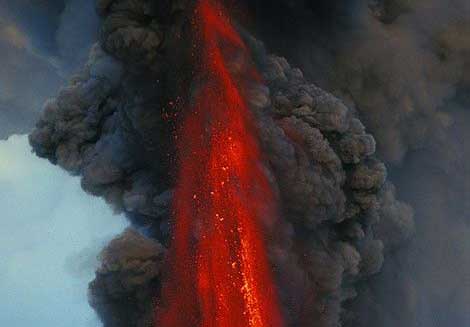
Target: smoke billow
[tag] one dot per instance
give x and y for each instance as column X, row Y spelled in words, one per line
column 403, row 66
column 123, row 289
column 342, row 251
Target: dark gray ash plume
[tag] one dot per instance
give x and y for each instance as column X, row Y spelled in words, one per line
column 344, row 251
column 109, row 126
column 403, row 66
column 122, row 292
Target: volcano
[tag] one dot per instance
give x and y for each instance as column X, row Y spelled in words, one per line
column 255, row 197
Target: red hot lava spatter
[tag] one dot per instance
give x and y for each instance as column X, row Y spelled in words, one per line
column 219, row 275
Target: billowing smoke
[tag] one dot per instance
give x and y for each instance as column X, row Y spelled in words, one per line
column 342, row 251
column 41, row 43
column 403, row 65
column 113, row 125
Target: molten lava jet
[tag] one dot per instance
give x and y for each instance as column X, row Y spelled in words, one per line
column 219, row 271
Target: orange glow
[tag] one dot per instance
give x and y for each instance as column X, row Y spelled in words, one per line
column 220, row 275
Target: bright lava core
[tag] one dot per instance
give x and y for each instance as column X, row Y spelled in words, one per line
column 219, row 274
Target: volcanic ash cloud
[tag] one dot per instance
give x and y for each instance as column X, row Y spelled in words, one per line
column 113, row 124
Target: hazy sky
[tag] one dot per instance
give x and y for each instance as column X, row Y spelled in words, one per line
column 41, row 43
column 50, row 230
column 50, row 235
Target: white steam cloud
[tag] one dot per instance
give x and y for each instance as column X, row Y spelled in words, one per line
column 50, row 235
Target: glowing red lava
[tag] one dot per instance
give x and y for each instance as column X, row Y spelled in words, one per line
column 219, row 271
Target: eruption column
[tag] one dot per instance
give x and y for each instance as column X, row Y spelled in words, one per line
column 219, row 271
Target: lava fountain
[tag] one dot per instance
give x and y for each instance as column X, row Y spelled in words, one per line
column 219, row 274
